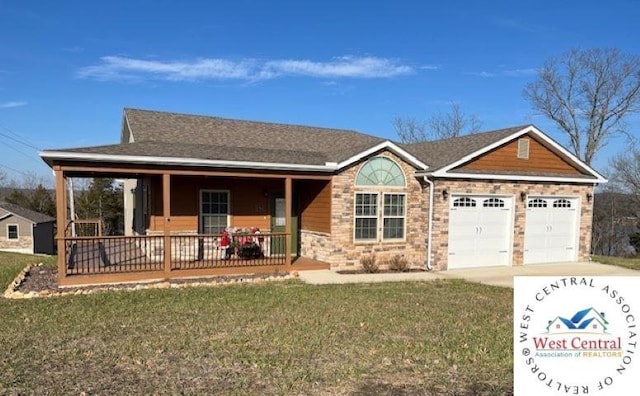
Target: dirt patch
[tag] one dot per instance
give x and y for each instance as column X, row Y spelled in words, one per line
column 39, row 279
column 42, row 280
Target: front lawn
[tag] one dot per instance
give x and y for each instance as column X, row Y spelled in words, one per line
column 444, row 337
column 631, row 263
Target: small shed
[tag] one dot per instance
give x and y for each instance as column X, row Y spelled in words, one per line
column 25, row 231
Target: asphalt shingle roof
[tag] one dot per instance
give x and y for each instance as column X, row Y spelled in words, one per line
column 28, row 214
column 306, row 144
column 165, row 134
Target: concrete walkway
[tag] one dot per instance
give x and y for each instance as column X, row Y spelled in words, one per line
column 496, row 276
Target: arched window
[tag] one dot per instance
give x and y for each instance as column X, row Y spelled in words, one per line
column 380, row 171
column 537, row 203
column 493, row 203
column 561, row 203
column 375, row 209
column 464, row 202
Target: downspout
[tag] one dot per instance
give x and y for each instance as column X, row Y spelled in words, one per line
column 431, row 193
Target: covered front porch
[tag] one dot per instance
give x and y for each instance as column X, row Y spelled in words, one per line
column 189, row 222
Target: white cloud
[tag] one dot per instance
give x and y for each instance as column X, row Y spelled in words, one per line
column 520, row 72
column 124, row 68
column 506, row 73
column 483, row 74
column 8, row 105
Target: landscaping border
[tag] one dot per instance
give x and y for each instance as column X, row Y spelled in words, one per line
column 13, row 290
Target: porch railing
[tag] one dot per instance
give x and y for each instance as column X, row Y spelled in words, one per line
column 128, row 254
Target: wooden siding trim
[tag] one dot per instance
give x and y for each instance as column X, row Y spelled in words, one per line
column 505, row 158
column 316, row 213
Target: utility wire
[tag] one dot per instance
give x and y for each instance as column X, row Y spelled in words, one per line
column 27, row 155
column 15, row 170
column 22, row 141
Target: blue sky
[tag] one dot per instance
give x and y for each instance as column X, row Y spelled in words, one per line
column 68, row 68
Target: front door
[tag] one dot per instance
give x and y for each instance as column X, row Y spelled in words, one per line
column 278, row 221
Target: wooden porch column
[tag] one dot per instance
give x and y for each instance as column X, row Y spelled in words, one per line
column 287, row 216
column 166, row 214
column 61, row 220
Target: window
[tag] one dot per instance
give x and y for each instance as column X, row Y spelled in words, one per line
column 380, row 171
column 393, row 216
column 537, row 203
column 214, row 211
column 523, row 148
column 12, row 232
column 366, row 227
column 464, row 202
column 561, row 203
column 370, row 209
column 493, row 203
column 378, row 215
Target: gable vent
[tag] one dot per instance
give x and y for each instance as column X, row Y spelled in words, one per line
column 523, row 148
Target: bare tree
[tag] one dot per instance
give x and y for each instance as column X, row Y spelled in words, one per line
column 625, row 172
column 438, row 126
column 454, row 123
column 588, row 94
column 410, row 130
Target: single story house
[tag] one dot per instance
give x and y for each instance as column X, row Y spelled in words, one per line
column 25, row 231
column 208, row 195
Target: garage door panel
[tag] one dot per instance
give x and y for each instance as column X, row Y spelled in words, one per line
column 550, row 231
column 480, row 235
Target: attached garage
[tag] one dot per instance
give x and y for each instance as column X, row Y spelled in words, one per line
column 551, row 230
column 480, row 231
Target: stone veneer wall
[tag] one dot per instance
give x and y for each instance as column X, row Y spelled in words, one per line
column 440, row 237
column 344, row 252
column 24, row 244
column 316, row 245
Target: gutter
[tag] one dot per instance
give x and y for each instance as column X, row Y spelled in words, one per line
column 431, row 194
column 62, row 155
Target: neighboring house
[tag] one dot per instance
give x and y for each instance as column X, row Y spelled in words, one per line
column 25, row 231
column 507, row 197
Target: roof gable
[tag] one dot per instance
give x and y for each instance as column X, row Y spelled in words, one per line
column 502, row 137
column 539, row 159
column 27, row 214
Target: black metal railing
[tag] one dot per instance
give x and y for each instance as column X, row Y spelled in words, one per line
column 126, row 254
column 113, row 254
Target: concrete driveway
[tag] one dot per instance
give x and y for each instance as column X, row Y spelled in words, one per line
column 503, row 276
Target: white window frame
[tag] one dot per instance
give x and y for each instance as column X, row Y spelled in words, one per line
column 380, row 217
column 403, row 216
column 17, row 232
column 202, row 215
column 404, row 175
column 356, row 217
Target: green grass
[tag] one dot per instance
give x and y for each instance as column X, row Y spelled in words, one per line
column 443, row 337
column 631, row 263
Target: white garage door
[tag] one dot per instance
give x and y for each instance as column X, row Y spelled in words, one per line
column 551, row 227
column 480, row 229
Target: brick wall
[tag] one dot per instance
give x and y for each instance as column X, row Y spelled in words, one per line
column 344, row 252
column 440, row 237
